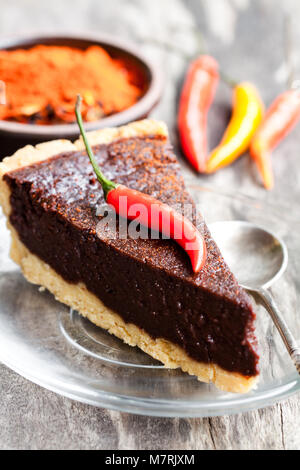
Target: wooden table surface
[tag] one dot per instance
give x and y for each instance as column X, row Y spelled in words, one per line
column 253, row 40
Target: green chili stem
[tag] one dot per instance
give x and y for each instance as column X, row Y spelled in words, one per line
column 106, row 184
column 228, row 80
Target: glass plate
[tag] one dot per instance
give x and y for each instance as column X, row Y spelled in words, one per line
column 57, row 349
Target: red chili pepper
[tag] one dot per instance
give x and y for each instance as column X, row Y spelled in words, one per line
column 155, row 214
column 197, row 95
column 280, row 119
column 162, row 218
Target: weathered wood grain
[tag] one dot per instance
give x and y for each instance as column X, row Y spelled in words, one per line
column 248, row 39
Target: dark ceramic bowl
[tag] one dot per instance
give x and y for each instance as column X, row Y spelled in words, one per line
column 15, row 135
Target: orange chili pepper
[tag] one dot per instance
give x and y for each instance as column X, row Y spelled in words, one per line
column 248, row 111
column 280, row 119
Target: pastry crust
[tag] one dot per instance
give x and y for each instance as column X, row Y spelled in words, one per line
column 77, row 296
column 147, row 127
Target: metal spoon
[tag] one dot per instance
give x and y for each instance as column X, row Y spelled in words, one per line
column 257, row 258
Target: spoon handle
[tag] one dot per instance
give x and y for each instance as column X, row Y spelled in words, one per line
column 290, row 342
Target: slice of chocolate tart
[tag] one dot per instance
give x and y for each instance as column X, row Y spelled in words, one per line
column 142, row 290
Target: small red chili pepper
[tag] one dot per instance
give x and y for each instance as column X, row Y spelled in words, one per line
column 157, row 215
column 280, row 119
column 197, row 95
column 162, row 218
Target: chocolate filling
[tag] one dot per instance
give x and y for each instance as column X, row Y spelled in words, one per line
column 149, row 283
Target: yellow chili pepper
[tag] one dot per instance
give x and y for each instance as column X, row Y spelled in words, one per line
column 248, row 111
